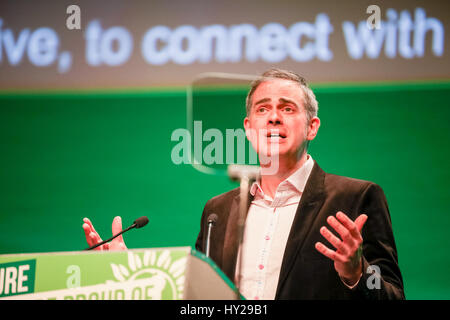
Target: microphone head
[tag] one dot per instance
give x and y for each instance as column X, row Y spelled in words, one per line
column 212, row 218
column 140, row 222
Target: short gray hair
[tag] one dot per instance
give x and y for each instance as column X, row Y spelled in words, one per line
column 310, row 102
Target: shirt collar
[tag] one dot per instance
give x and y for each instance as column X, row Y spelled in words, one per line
column 298, row 179
column 255, row 188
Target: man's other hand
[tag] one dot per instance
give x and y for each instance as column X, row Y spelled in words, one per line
column 92, row 237
column 348, row 256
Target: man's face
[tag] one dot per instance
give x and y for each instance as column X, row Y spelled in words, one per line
column 277, row 123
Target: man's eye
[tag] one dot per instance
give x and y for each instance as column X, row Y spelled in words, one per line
column 288, row 109
column 261, row 110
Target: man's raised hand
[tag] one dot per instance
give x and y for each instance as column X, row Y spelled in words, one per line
column 347, row 257
column 92, row 237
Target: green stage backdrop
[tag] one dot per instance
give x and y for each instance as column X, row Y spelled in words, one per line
column 69, row 155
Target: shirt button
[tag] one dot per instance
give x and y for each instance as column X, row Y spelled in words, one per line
column 267, row 237
column 256, row 298
column 261, row 267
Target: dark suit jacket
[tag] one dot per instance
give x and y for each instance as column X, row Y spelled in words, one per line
column 305, row 273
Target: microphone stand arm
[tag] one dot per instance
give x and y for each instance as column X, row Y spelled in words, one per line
column 110, row 239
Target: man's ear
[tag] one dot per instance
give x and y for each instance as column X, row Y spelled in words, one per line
column 247, row 127
column 313, row 128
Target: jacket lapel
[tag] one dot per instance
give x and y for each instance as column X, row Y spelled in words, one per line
column 310, row 204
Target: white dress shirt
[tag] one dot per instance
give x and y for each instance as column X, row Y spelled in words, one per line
column 266, row 232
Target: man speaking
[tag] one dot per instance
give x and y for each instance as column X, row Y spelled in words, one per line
column 308, row 234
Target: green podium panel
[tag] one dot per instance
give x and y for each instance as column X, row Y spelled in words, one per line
column 140, row 274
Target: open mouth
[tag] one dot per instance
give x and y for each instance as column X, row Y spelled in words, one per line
column 276, row 135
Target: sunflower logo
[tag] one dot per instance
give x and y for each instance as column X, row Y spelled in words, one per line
column 165, row 275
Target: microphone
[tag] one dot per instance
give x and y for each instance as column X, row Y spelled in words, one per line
column 212, row 220
column 138, row 223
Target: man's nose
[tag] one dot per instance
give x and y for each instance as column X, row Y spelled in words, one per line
column 275, row 117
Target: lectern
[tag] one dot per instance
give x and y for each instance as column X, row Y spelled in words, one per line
column 138, row 274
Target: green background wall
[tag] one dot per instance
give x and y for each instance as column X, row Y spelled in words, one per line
column 65, row 156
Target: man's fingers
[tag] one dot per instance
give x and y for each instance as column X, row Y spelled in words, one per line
column 360, row 221
column 89, row 223
column 117, row 225
column 87, row 230
column 117, row 243
column 343, row 232
column 92, row 237
column 333, row 255
column 335, row 241
column 350, row 225
column 117, row 228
